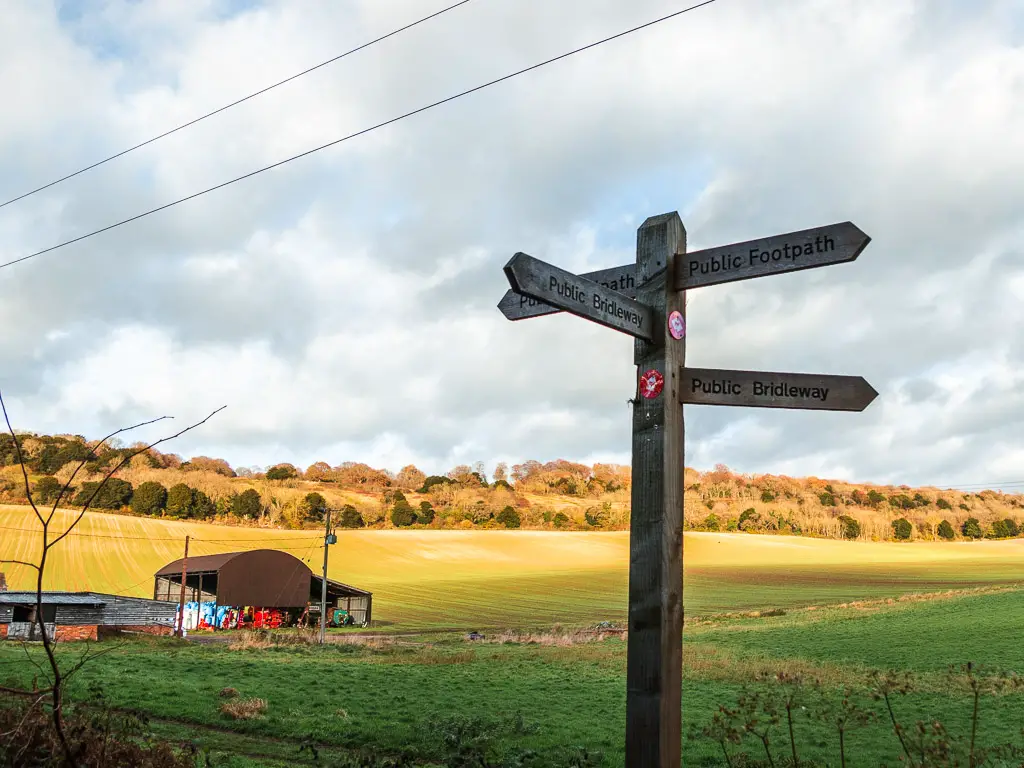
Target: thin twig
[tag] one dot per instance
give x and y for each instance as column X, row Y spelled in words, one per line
column 124, row 461
column 92, row 454
column 21, row 562
column 21, row 461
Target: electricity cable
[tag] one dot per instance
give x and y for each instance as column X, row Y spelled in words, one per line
column 233, row 104
column 356, row 134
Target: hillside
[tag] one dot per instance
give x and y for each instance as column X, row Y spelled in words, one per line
column 466, row 579
column 558, row 495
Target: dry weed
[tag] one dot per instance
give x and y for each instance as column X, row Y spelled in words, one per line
column 373, row 641
column 244, row 709
column 557, row 637
column 250, row 639
column 228, row 693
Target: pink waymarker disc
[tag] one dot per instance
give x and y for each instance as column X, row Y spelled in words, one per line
column 676, row 325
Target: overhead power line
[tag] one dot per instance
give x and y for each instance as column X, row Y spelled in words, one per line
column 356, row 134
column 296, row 539
column 234, row 103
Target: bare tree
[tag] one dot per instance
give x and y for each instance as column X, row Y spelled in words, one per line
column 57, row 677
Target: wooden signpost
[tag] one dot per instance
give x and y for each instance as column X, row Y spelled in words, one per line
column 794, row 251
column 575, row 294
column 757, row 389
column 646, row 300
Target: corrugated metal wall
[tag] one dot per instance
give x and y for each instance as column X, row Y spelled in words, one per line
column 117, row 611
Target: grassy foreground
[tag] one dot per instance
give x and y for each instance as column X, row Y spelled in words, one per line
column 541, row 704
column 424, row 579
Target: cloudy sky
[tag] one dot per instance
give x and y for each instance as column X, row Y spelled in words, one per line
column 343, row 306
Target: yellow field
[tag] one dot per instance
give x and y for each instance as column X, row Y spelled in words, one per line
column 487, row 578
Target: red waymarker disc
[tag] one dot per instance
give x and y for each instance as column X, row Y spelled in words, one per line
column 651, row 384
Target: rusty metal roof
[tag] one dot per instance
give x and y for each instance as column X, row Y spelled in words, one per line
column 202, row 563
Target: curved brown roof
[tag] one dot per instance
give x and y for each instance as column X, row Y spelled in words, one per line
column 202, row 563
column 258, row 577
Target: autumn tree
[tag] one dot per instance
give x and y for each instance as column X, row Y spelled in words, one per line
column 463, row 475
column 206, row 464
column 320, row 472
column 522, row 473
column 410, row 478
column 355, row 475
column 611, row 477
column 500, row 473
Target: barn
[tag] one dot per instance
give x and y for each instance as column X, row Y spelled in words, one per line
column 81, row 615
column 256, row 588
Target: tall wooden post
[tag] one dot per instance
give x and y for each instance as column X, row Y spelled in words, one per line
column 655, row 640
column 323, row 584
column 181, row 595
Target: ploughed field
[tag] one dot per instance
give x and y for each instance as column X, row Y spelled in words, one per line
column 558, row 699
column 427, row 579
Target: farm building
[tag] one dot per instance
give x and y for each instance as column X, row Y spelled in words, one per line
column 82, row 615
column 257, row 588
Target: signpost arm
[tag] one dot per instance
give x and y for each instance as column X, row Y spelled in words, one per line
column 654, row 650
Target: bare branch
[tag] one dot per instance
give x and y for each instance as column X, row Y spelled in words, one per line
column 39, row 667
column 87, row 656
column 21, row 461
column 20, row 562
column 19, row 692
column 92, row 454
column 124, row 461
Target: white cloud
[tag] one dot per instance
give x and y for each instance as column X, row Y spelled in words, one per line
column 343, row 306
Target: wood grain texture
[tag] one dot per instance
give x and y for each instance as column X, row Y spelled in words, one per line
column 654, row 645
column 516, row 306
column 765, row 389
column 790, row 252
column 532, row 277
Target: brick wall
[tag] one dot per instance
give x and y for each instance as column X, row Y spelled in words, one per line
column 148, row 629
column 77, row 632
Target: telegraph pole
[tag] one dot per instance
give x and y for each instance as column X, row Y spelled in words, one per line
column 181, row 596
column 323, row 585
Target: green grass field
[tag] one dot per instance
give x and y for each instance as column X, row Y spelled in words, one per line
column 411, row 694
column 425, row 692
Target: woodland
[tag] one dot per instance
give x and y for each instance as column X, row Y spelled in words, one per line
column 557, row 495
